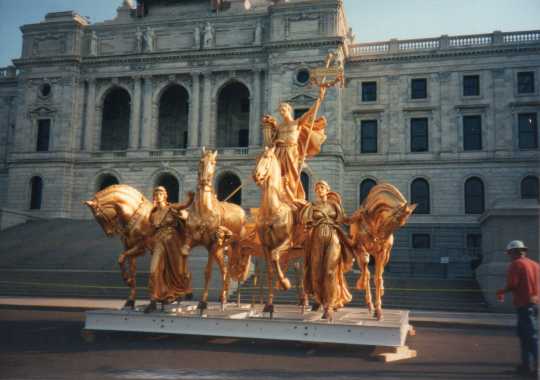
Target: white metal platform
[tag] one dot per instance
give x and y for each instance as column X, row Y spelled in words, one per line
column 352, row 326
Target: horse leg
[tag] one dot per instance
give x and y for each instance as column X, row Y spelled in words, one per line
column 269, row 306
column 219, row 257
column 203, row 303
column 130, row 303
column 284, row 282
column 379, row 287
column 363, row 282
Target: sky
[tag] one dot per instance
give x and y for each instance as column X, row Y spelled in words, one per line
column 371, row 20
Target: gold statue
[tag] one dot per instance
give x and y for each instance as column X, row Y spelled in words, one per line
column 296, row 140
column 328, row 256
column 372, row 226
column 170, row 278
column 274, row 220
column 217, row 226
column 123, row 211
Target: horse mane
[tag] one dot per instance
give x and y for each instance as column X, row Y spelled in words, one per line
column 132, row 194
column 383, row 196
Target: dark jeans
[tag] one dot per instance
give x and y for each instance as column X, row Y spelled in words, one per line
column 528, row 334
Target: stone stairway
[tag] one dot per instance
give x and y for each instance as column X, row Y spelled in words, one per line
column 74, row 258
column 416, row 293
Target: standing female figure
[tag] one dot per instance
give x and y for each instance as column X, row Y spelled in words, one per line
column 328, row 257
column 170, row 278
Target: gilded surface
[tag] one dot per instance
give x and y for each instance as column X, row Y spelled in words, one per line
column 327, row 255
column 372, row 228
column 123, row 211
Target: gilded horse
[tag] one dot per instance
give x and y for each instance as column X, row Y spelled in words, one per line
column 275, row 222
column 372, row 227
column 123, row 211
column 217, row 226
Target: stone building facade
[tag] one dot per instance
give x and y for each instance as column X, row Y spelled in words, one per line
column 451, row 121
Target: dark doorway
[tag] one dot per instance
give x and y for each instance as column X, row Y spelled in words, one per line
column 233, row 116
column 116, row 119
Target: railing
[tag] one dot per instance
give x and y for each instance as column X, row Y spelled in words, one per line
column 9, row 72
column 233, row 151
column 395, row 46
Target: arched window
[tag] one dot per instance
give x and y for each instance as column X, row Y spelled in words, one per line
column 173, row 118
column 365, row 188
column 170, row 183
column 529, row 188
column 233, row 116
column 36, row 193
column 107, row 180
column 474, row 196
column 420, row 196
column 304, row 178
column 228, row 183
column 115, row 121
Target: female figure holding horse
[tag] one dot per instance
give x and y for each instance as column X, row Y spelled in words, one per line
column 328, row 257
column 170, row 278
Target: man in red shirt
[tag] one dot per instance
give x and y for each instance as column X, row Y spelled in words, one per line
column 523, row 280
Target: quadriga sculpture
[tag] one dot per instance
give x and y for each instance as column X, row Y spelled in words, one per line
column 123, row 211
column 372, row 227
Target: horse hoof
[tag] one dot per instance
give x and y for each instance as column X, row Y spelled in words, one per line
column 315, row 307
column 269, row 308
column 130, row 304
column 378, row 314
column 189, row 297
column 151, row 307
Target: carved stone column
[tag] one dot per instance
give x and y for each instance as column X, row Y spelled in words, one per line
column 90, row 124
column 134, row 131
column 146, row 128
column 206, row 109
column 255, row 117
column 193, row 133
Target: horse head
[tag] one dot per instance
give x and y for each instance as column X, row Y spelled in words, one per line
column 263, row 168
column 403, row 213
column 207, row 167
column 105, row 216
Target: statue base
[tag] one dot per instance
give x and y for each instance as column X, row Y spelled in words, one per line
column 351, row 326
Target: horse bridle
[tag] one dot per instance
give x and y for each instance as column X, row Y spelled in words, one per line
column 117, row 227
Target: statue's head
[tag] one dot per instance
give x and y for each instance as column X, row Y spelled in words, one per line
column 321, row 189
column 160, row 195
column 285, row 109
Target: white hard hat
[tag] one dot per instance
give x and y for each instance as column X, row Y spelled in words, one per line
column 516, row 244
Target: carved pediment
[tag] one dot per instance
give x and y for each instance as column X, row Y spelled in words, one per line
column 302, row 99
column 42, row 111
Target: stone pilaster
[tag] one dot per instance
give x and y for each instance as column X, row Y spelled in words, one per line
column 255, row 117
column 135, row 129
column 193, row 132
column 90, row 124
column 146, row 128
column 206, row 109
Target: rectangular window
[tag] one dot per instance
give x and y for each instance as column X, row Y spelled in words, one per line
column 44, row 127
column 528, row 131
column 299, row 112
column 471, row 85
column 472, row 132
column 526, row 82
column 419, row 135
column 421, row 241
column 474, row 241
column 369, row 91
column 419, row 88
column 368, row 136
